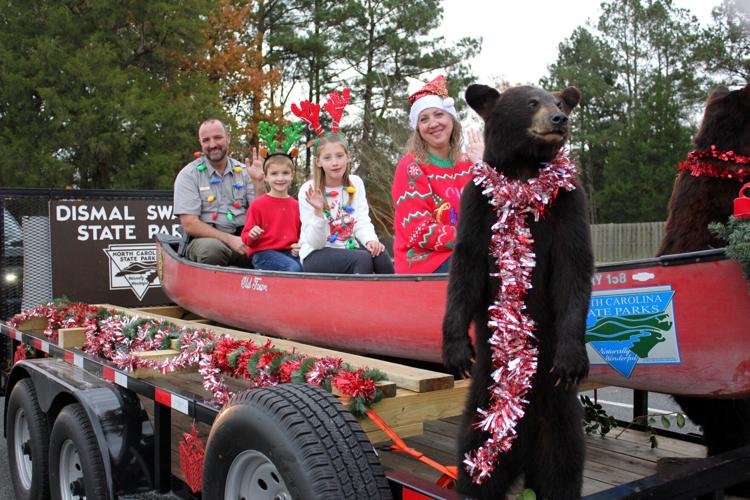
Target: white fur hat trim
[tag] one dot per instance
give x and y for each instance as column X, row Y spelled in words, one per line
column 431, row 101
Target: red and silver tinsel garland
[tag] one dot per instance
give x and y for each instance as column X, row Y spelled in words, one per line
column 699, row 168
column 118, row 337
column 514, row 353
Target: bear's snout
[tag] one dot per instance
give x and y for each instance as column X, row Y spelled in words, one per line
column 559, row 119
column 549, row 126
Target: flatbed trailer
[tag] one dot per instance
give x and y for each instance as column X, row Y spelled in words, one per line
column 137, row 447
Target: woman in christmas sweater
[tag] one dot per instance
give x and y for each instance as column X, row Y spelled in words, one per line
column 428, row 182
column 337, row 234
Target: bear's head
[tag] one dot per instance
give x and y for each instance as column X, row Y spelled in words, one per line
column 524, row 126
column 726, row 121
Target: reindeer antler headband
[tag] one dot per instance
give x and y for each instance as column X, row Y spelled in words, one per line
column 267, row 132
column 309, row 113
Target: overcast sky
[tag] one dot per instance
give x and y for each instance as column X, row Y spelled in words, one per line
column 522, row 53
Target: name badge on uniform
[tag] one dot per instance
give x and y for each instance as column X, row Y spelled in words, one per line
column 204, row 188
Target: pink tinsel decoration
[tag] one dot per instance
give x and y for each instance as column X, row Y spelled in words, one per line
column 514, row 353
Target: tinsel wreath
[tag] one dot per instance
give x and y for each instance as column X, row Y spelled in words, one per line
column 514, row 352
column 736, row 232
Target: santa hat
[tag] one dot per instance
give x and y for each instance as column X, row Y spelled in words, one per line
column 432, row 95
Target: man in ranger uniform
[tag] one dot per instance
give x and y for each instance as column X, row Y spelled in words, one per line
column 211, row 198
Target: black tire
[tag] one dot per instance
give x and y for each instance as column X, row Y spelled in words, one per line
column 29, row 482
column 317, row 446
column 73, row 447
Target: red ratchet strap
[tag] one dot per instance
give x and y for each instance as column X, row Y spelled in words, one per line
column 449, row 473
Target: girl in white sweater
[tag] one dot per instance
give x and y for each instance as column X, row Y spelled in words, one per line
column 337, row 233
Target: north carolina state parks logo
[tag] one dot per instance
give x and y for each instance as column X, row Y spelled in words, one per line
column 134, row 267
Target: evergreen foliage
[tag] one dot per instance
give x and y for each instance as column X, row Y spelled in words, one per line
column 736, row 232
column 637, row 69
column 92, row 93
column 106, row 94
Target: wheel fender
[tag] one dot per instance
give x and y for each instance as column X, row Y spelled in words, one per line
column 58, row 384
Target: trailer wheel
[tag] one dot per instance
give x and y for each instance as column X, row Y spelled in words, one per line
column 28, row 443
column 291, row 441
column 76, row 469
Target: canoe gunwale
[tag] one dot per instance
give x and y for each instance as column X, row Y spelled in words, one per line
column 166, row 241
column 166, row 245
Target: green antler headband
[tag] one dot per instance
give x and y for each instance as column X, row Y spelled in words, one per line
column 267, row 132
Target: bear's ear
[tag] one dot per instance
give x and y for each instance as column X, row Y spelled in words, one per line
column 569, row 99
column 718, row 93
column 746, row 90
column 481, row 98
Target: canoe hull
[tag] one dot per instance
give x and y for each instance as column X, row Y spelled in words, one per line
column 660, row 326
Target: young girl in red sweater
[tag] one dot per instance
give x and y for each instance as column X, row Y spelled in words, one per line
column 272, row 226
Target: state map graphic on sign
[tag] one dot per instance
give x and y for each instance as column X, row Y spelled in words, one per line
column 632, row 326
column 134, row 267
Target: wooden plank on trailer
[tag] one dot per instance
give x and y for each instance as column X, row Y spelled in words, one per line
column 407, row 377
column 410, row 407
column 387, row 388
column 608, row 474
column 71, row 338
column 158, row 356
column 32, row 325
column 591, row 486
column 169, row 311
column 202, row 321
column 619, row 461
column 640, row 449
column 676, row 446
column 404, row 431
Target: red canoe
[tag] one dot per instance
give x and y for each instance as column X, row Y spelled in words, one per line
column 677, row 324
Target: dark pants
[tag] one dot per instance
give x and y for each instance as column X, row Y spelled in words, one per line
column 444, row 267
column 346, row 261
column 276, row 260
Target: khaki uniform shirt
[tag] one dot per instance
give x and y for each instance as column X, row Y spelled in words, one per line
column 212, row 196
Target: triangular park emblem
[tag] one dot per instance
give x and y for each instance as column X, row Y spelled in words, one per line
column 133, row 267
column 627, row 327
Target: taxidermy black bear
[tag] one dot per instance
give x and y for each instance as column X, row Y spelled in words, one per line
column 523, row 261
column 704, row 192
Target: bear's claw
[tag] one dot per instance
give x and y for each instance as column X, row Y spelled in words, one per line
column 458, row 355
column 570, row 367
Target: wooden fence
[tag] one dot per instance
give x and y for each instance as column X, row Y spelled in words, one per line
column 615, row 242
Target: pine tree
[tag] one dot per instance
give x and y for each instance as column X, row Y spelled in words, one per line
column 94, row 94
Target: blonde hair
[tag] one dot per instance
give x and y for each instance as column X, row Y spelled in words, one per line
column 417, row 145
column 319, row 176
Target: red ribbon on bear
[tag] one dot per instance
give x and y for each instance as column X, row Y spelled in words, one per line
column 742, row 203
column 191, row 459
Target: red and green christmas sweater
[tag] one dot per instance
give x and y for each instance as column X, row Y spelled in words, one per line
column 427, row 199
